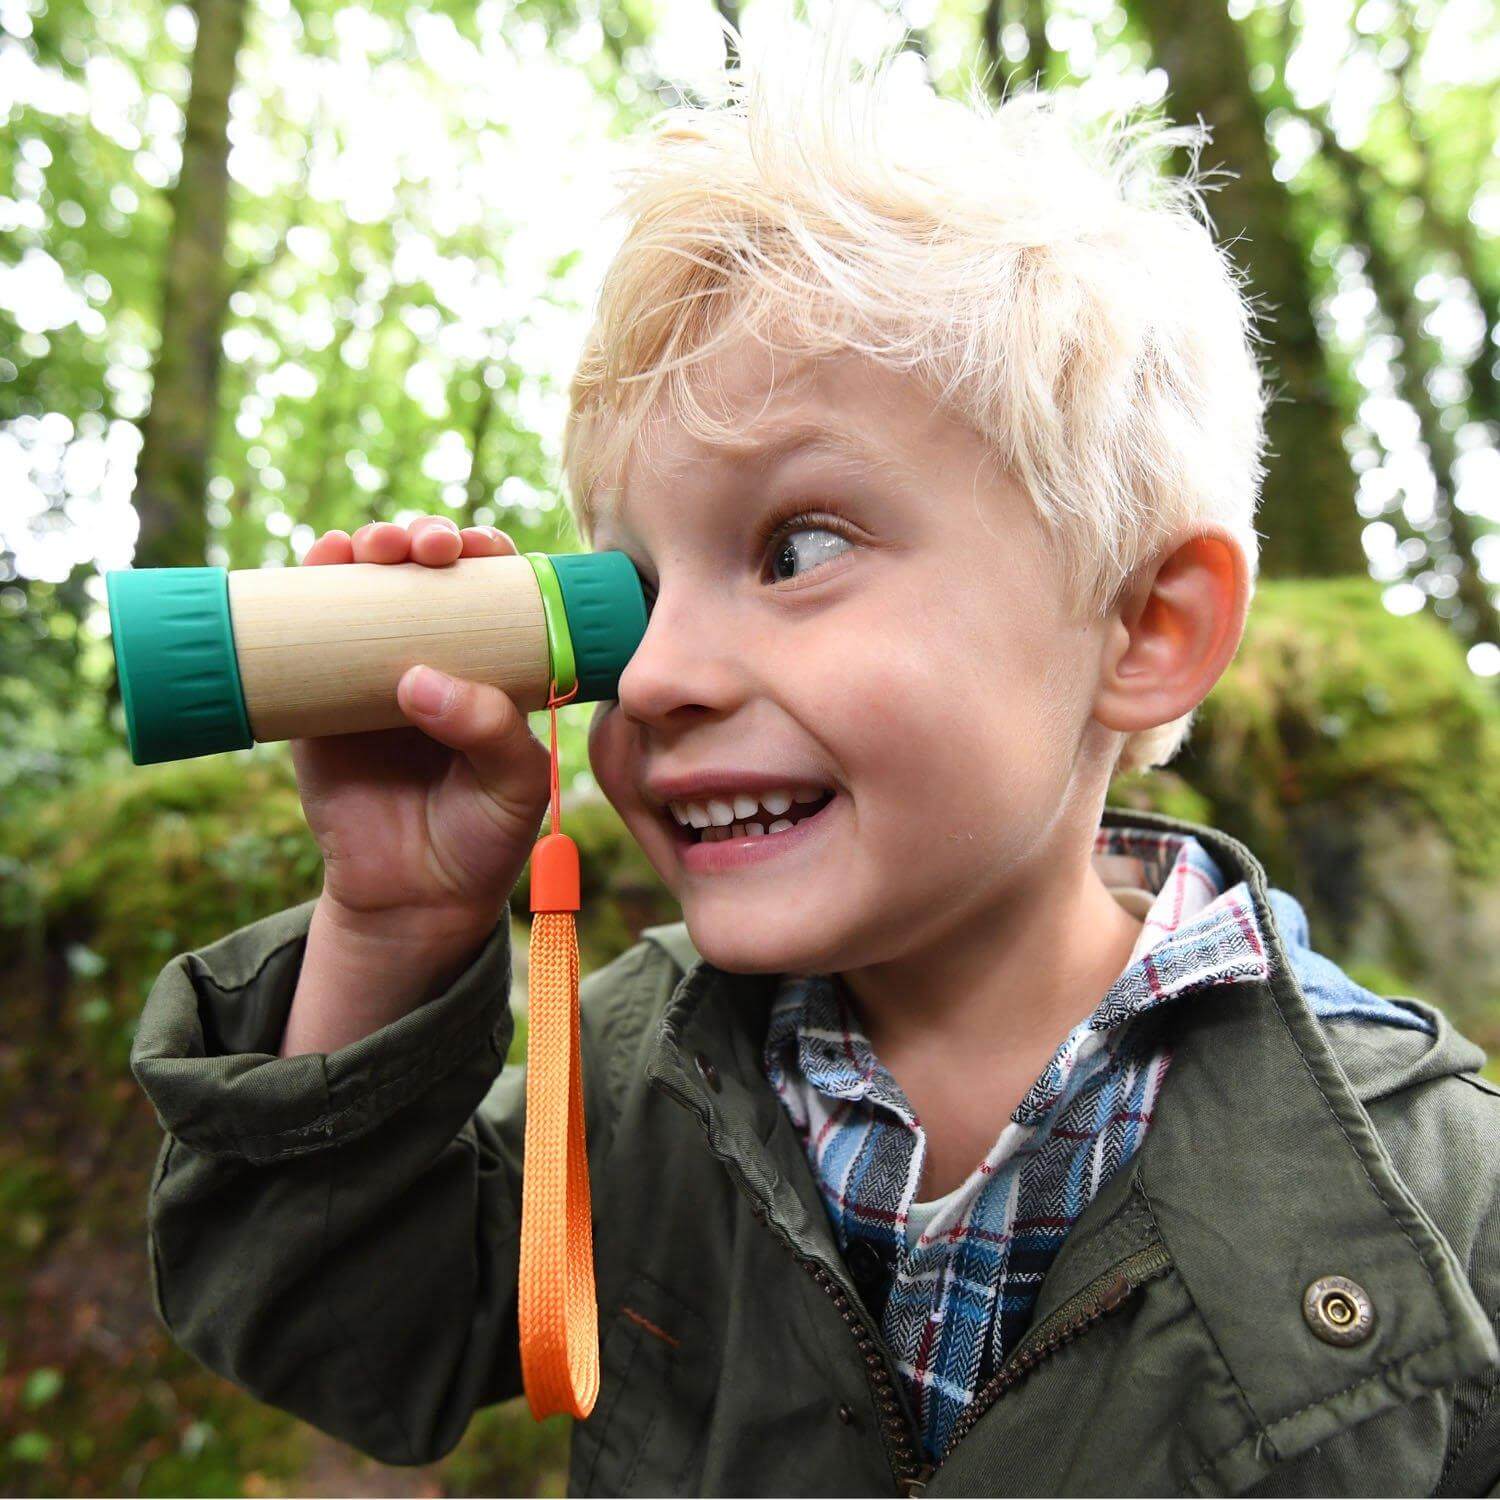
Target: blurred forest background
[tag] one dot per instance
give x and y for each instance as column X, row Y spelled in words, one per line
column 272, row 266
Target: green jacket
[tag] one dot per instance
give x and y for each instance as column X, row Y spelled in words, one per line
column 339, row 1236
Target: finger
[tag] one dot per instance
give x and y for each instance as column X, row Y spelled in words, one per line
column 381, row 542
column 512, row 765
column 485, row 541
column 332, row 547
column 435, row 541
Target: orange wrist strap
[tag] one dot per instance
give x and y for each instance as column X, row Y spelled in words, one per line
column 558, row 1311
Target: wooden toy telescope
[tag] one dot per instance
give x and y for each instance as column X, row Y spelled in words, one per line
column 213, row 660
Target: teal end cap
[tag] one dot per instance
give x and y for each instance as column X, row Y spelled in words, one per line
column 606, row 611
column 174, row 653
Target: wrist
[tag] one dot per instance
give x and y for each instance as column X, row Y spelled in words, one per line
column 417, row 932
column 363, row 969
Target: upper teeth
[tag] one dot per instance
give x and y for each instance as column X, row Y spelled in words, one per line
column 720, row 812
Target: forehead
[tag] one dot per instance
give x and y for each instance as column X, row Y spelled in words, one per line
column 775, row 406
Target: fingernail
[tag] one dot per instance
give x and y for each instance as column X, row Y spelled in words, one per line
column 431, row 692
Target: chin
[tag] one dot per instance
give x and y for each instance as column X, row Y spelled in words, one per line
column 738, row 946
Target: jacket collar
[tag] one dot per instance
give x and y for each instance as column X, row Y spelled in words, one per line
column 1261, row 1173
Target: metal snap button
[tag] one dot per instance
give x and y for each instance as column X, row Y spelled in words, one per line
column 1338, row 1310
column 709, row 1071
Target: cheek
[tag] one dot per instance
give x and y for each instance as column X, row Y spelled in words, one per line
column 608, row 752
column 885, row 707
column 939, row 713
column 612, row 752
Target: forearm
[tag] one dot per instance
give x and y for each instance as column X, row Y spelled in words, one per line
column 361, row 971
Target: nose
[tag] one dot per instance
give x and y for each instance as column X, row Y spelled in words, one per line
column 687, row 659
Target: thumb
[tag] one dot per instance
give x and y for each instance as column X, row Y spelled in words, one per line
column 511, row 764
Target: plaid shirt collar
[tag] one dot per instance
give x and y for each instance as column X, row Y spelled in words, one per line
column 953, row 1305
column 1196, row 934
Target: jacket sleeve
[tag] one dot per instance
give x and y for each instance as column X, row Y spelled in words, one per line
column 339, row 1234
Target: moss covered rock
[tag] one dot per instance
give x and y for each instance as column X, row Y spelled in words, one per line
column 1359, row 758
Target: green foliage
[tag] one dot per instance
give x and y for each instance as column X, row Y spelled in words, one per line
column 31, row 1447
column 507, row 1452
column 41, row 1386
column 111, row 862
column 56, row 682
column 1332, row 695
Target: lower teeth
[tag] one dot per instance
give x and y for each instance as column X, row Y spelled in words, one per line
column 743, row 830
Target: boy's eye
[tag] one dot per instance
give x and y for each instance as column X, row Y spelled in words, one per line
column 793, row 557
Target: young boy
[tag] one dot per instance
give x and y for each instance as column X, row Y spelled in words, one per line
column 969, row 1135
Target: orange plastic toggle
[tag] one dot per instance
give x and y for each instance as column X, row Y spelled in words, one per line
column 554, row 874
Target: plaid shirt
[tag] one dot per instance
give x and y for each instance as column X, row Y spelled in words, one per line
column 959, row 1296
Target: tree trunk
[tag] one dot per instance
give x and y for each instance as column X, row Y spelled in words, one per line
column 479, row 488
column 1476, row 618
column 1308, row 520
column 998, row 14
column 178, row 433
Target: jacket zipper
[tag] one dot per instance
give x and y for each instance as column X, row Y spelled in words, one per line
column 1101, row 1297
column 1105, row 1295
column 900, row 1439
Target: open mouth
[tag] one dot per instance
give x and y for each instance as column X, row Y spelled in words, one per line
column 715, row 820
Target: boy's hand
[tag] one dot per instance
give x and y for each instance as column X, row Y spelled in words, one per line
column 443, row 816
column 424, row 831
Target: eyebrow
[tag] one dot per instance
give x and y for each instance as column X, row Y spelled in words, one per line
column 766, row 451
column 762, row 453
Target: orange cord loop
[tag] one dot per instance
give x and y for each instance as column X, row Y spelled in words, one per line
column 558, row 1307
column 553, row 704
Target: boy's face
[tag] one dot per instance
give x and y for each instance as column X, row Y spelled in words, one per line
column 920, row 662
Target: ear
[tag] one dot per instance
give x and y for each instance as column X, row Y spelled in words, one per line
column 1174, row 633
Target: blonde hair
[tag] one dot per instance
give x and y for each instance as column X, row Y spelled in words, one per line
column 1052, row 285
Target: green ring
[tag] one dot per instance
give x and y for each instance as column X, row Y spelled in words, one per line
column 176, row 663
column 559, row 640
